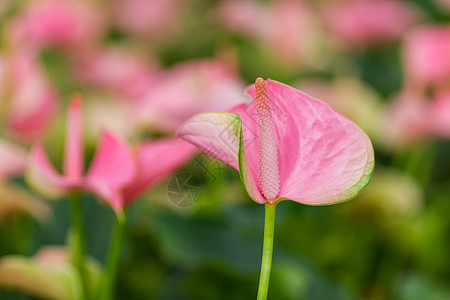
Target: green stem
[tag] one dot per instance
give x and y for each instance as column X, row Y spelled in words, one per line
column 266, row 264
column 79, row 249
column 106, row 288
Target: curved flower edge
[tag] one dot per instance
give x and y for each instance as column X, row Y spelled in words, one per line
column 232, row 123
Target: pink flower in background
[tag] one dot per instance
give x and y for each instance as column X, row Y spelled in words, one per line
column 244, row 16
column 284, row 26
column 426, row 56
column 146, row 18
column 155, row 161
column 185, row 90
column 57, row 23
column 365, row 22
column 114, row 168
column 286, row 145
column 439, row 120
column 407, row 120
column 30, row 99
column 117, row 70
column 13, row 159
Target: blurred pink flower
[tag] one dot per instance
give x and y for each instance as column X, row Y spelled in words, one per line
column 426, row 56
column 286, row 145
column 30, row 99
column 16, row 200
column 284, row 26
column 156, row 160
column 439, row 119
column 185, row 90
column 244, row 16
column 57, row 23
column 114, row 167
column 13, row 159
column 407, row 119
column 364, row 22
column 117, row 70
column 146, row 18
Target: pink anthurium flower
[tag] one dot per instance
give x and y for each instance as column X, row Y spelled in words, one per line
column 113, row 174
column 287, row 146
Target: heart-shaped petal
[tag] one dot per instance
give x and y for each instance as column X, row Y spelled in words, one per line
column 324, row 158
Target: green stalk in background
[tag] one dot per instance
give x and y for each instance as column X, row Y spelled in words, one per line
column 106, row 287
column 79, row 241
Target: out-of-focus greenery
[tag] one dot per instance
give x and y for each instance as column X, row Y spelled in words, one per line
column 391, row 242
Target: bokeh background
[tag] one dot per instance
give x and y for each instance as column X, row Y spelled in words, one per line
column 144, row 66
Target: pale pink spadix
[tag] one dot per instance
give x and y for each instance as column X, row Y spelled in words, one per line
column 297, row 148
column 269, row 178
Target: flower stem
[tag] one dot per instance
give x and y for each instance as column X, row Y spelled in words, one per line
column 266, row 264
column 79, row 249
column 106, row 288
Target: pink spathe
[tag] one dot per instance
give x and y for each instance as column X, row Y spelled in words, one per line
column 323, row 158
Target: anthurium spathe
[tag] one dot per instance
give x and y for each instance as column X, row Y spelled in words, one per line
column 113, row 176
column 118, row 173
column 314, row 154
column 116, row 165
column 285, row 145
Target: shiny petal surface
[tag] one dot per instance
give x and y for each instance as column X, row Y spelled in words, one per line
column 156, row 161
column 113, row 168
